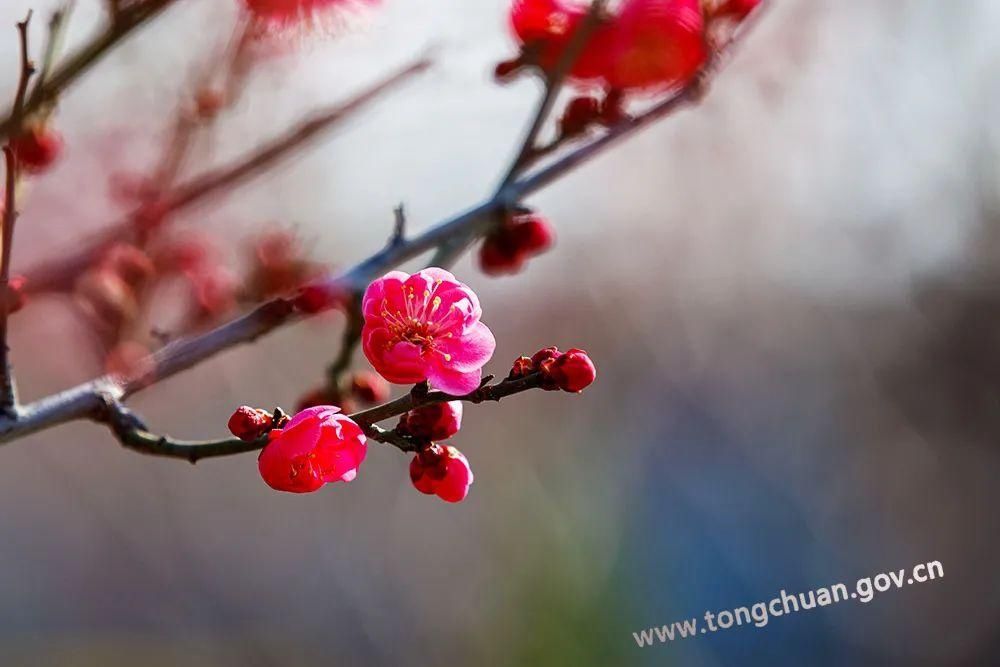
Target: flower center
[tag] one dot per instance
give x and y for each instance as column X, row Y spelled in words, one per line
column 423, row 321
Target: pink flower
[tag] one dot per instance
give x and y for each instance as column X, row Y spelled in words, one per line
column 317, row 446
column 438, row 421
column 442, row 471
column 426, row 327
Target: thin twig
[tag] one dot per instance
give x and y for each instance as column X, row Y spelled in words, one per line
column 84, row 400
column 553, row 85
column 348, row 344
column 60, row 273
column 8, row 393
column 132, row 432
column 82, row 60
column 53, row 44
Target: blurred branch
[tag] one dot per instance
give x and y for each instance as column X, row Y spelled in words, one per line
column 554, row 81
column 8, row 395
column 89, row 400
column 58, row 274
column 87, row 56
column 57, row 31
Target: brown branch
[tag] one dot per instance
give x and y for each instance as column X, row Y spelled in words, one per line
column 8, row 393
column 132, row 432
column 81, row 61
column 57, row 30
column 84, row 400
column 59, row 274
column 554, row 81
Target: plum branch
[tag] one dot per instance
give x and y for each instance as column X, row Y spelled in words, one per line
column 132, row 433
column 61, row 77
column 101, row 399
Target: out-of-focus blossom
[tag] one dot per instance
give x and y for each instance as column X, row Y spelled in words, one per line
column 278, row 265
column 131, row 263
column 15, row 297
column 283, row 13
column 426, row 326
column 545, row 28
column 37, row 148
column 642, row 44
column 522, row 236
column 214, row 291
column 369, row 387
column 315, row 447
column 734, row 9
column 659, row 43
column 325, row 395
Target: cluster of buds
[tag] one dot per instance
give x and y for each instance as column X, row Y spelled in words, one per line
column 571, row 370
column 517, row 239
column 443, row 472
column 436, row 469
column 438, row 421
column 110, row 289
column 360, row 388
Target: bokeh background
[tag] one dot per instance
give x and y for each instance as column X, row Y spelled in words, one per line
column 791, row 293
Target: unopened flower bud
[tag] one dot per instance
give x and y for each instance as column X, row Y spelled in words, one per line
column 521, row 237
column 442, row 471
column 580, row 114
column 437, row 421
column 522, row 366
column 572, row 371
column 249, row 423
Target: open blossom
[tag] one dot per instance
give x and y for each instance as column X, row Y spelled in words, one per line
column 426, row 326
column 316, row 446
column 442, row 471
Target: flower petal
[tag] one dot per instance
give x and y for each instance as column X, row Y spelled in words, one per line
column 471, row 351
column 453, row 382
